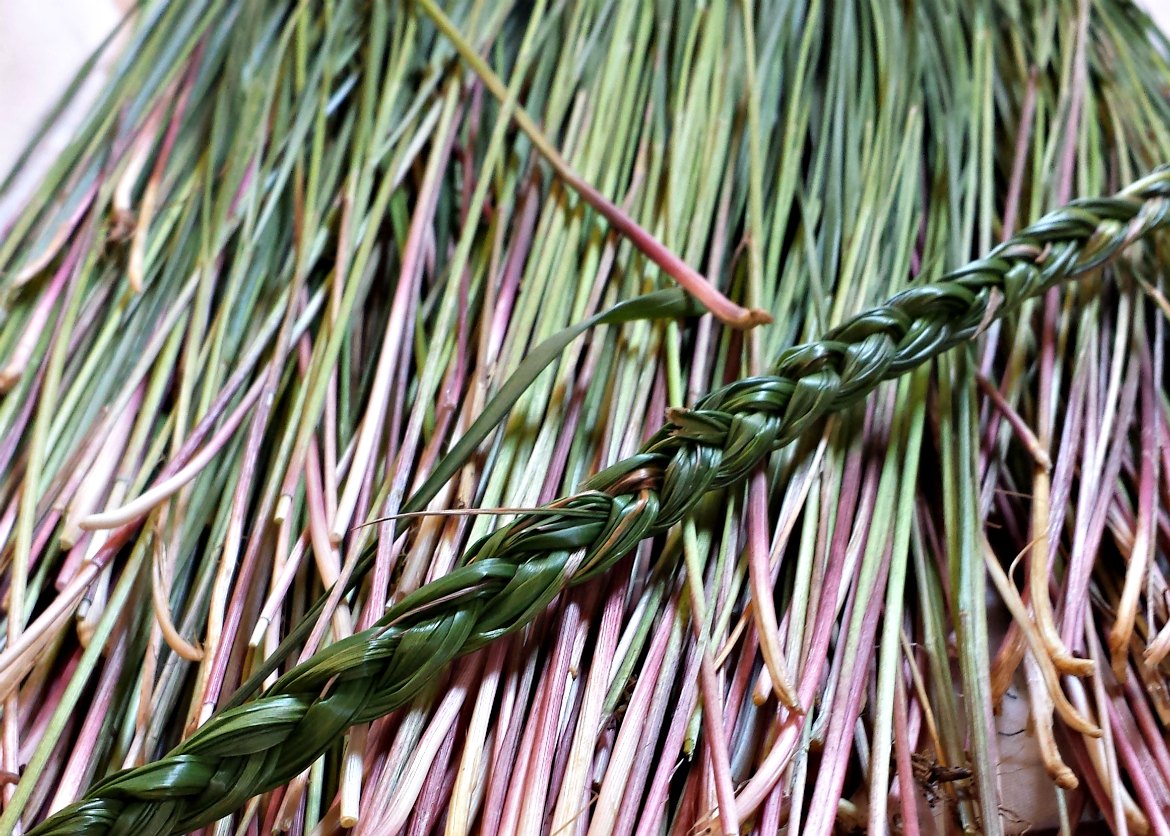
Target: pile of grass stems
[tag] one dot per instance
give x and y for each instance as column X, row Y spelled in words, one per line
column 297, row 247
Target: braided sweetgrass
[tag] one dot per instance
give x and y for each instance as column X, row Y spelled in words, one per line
column 504, row 580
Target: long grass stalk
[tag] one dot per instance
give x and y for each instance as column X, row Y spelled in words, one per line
column 324, row 300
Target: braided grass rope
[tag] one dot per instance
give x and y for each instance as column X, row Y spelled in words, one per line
column 504, row 580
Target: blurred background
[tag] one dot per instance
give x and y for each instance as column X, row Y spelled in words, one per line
column 42, row 45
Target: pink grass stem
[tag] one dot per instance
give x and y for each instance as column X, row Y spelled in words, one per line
column 769, row 822
column 395, row 335
column 846, row 708
column 17, row 432
column 770, row 770
column 513, row 269
column 79, row 768
column 655, row 805
column 512, row 803
column 39, row 699
column 905, row 785
column 507, row 745
column 1141, row 552
column 91, row 482
column 584, row 739
column 762, row 584
column 1093, row 501
column 661, row 711
column 547, row 716
column 432, row 562
column 435, row 791
column 388, row 547
column 1149, row 791
column 613, row 787
column 425, row 755
column 1023, row 433
column 48, row 303
column 1023, row 135
column 711, row 690
column 188, row 467
column 473, row 763
column 1152, row 734
column 570, row 718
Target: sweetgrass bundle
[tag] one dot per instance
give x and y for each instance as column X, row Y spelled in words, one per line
column 593, row 417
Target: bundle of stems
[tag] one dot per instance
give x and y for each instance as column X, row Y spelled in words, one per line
column 327, row 304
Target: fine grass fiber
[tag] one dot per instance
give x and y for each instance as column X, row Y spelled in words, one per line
column 593, row 417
